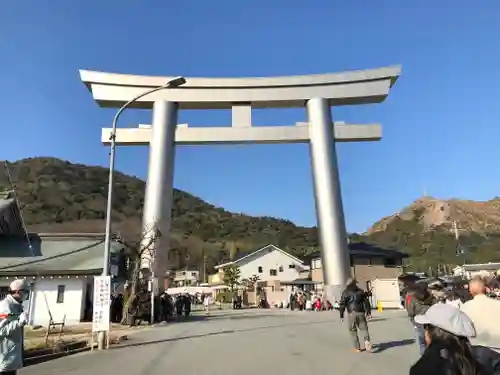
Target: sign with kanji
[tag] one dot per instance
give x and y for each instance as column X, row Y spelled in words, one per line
column 102, row 303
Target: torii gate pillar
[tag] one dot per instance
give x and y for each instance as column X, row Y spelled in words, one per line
column 159, row 186
column 328, row 200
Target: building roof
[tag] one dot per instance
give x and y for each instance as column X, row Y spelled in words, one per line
column 364, row 249
column 261, row 250
column 10, row 218
column 53, row 254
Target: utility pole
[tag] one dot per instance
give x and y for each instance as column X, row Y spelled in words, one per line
column 205, row 279
column 455, row 230
column 460, row 250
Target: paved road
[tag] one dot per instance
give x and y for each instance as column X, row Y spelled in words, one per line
column 250, row 342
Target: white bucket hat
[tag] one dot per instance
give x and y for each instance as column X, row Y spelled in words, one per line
column 448, row 318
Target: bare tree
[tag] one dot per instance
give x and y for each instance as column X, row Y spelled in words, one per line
column 136, row 251
column 250, row 284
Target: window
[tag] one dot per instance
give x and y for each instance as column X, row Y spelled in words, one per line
column 316, row 264
column 260, row 269
column 193, row 274
column 291, row 266
column 4, row 290
column 60, row 293
column 362, row 261
column 281, row 269
column 390, row 262
column 273, row 272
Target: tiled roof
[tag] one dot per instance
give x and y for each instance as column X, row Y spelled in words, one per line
column 364, row 249
column 53, row 254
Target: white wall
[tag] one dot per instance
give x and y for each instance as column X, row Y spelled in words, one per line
column 45, row 296
column 74, row 299
column 270, row 260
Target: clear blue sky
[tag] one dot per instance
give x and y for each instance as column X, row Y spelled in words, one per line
column 441, row 122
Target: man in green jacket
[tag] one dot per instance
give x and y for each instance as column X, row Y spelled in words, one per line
column 12, row 322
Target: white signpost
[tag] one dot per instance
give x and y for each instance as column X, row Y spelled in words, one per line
column 102, row 304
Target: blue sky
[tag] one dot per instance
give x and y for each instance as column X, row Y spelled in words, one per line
column 441, row 121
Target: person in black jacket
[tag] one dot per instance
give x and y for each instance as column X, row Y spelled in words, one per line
column 355, row 301
column 419, row 301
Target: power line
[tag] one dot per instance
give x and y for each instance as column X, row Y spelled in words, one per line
column 9, row 176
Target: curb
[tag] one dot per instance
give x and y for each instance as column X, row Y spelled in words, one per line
column 37, row 359
column 49, row 357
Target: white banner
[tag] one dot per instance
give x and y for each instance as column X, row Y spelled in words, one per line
column 102, row 303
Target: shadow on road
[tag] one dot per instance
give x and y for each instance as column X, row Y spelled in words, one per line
column 372, row 320
column 197, row 318
column 393, row 344
column 226, row 332
column 227, row 316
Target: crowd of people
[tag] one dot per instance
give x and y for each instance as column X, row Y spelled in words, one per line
column 457, row 331
column 138, row 307
column 308, row 301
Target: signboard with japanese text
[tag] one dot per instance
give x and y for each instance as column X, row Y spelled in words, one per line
column 102, row 302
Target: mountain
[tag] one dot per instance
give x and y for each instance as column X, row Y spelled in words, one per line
column 425, row 229
column 59, row 196
column 480, row 217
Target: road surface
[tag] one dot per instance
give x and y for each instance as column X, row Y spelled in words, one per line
column 248, row 342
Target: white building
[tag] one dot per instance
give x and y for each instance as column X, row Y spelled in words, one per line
column 269, row 263
column 186, row 277
column 278, row 273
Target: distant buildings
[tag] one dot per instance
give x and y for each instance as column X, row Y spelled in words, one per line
column 279, row 273
column 469, row 271
column 368, row 262
column 186, row 277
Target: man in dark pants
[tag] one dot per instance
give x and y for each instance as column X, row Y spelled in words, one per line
column 355, row 301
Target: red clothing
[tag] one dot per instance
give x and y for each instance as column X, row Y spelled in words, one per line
column 408, row 300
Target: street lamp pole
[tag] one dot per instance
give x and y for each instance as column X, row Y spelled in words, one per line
column 176, row 82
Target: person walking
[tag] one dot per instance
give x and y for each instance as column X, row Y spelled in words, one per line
column 355, row 301
column 485, row 313
column 207, row 302
column 419, row 302
column 12, row 322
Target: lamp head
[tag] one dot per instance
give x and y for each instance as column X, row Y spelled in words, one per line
column 176, row 82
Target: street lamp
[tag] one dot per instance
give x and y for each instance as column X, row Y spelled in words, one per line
column 173, row 83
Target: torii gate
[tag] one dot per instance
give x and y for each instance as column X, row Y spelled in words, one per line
column 317, row 93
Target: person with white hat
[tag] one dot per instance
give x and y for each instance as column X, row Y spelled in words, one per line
column 12, row 320
column 447, row 333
